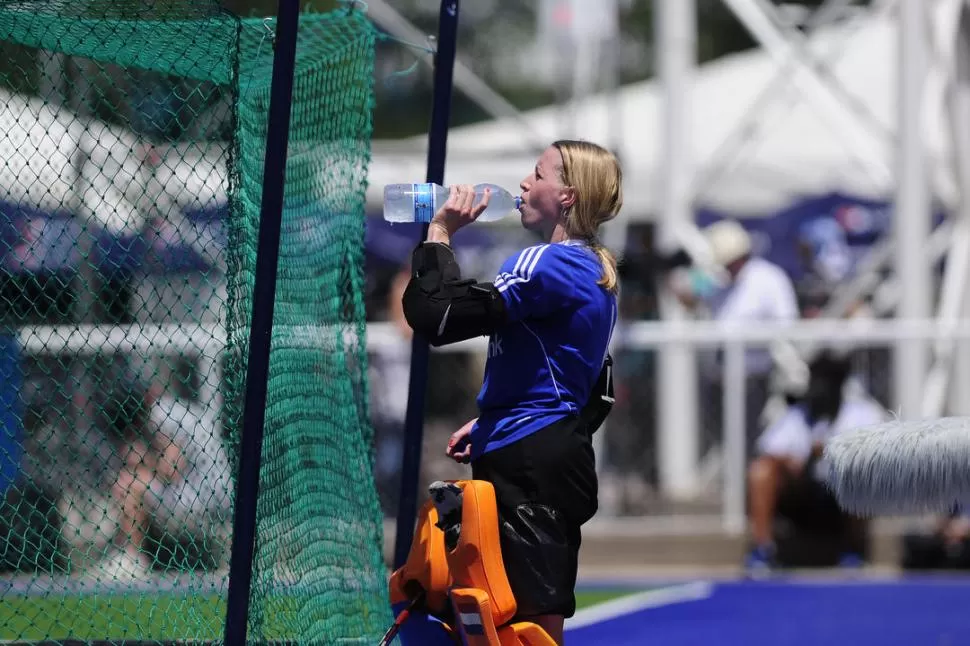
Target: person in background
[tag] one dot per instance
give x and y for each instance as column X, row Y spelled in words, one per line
column 194, row 504
column 784, row 478
column 826, row 262
column 146, row 454
column 390, row 373
column 750, row 291
column 174, row 476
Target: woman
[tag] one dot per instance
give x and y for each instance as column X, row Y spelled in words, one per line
column 549, row 315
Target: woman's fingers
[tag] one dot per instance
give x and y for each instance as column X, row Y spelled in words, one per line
column 454, row 198
column 453, row 442
column 463, row 455
column 458, row 444
column 467, row 201
column 481, row 206
column 460, row 208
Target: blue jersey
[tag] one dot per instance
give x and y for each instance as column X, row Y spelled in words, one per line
column 544, row 361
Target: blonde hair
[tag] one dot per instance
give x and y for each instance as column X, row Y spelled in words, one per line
column 595, row 174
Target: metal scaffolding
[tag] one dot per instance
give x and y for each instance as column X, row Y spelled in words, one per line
column 933, row 74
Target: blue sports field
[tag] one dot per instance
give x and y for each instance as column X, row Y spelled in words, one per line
column 782, row 611
column 906, row 611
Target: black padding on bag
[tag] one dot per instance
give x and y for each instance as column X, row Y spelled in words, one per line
column 442, row 307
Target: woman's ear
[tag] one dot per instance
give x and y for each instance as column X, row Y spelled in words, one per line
column 567, row 197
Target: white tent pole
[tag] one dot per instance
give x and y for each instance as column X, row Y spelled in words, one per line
column 869, row 277
column 935, row 250
column 952, row 52
column 949, row 311
column 678, row 433
column 959, row 115
column 911, row 219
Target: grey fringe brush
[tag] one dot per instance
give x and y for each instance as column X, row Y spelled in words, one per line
column 900, row 467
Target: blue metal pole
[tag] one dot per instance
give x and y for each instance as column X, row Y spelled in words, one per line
column 264, row 298
column 437, row 149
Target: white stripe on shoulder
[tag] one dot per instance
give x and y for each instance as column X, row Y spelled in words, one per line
column 522, row 263
column 524, row 268
column 535, row 261
column 503, row 276
column 524, row 258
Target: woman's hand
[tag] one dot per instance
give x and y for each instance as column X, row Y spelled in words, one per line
column 459, row 444
column 458, row 211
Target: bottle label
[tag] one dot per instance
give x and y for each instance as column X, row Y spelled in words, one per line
column 423, row 195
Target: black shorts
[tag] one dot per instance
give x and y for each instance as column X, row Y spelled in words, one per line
column 545, row 486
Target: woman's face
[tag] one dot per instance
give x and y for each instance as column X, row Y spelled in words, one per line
column 543, row 193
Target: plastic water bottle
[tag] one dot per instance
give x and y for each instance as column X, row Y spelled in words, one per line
column 419, row 202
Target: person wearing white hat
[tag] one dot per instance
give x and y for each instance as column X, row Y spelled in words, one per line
column 752, row 291
column 730, row 245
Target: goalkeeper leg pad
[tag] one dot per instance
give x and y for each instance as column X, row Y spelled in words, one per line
column 541, row 554
column 470, row 579
column 426, row 569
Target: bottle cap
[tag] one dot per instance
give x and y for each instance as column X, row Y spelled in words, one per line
column 518, row 201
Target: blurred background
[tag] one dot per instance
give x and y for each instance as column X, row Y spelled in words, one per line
column 830, row 131
column 831, row 134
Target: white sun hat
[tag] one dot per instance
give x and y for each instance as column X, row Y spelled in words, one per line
column 728, row 241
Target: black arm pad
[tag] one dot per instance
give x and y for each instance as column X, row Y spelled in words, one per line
column 600, row 400
column 442, row 307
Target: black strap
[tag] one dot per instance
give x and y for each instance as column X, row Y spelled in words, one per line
column 601, row 399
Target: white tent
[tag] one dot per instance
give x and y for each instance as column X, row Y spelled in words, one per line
column 38, row 144
column 55, row 160
column 799, row 150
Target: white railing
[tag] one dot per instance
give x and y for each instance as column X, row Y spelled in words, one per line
column 651, row 334
column 857, row 333
column 206, row 340
column 204, row 337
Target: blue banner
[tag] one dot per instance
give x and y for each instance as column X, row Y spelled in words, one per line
column 11, row 411
column 828, row 234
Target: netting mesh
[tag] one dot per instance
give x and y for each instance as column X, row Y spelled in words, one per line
column 132, row 137
column 319, row 526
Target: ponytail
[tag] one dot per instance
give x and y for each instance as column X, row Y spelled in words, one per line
column 595, row 174
column 609, row 280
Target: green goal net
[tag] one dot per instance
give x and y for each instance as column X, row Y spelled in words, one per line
column 132, row 136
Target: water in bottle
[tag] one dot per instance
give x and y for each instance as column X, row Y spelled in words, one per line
column 419, row 202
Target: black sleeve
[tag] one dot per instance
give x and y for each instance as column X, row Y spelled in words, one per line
column 442, row 307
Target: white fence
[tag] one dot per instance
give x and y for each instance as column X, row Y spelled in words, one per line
column 205, row 342
column 733, row 341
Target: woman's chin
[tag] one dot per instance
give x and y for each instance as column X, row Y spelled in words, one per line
column 529, row 221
